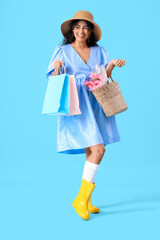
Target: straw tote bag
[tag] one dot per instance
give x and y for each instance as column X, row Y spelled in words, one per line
column 110, row 98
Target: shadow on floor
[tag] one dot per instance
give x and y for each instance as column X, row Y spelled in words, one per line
column 151, row 199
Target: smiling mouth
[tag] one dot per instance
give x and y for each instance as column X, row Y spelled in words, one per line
column 81, row 36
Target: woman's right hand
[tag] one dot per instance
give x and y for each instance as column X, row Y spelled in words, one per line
column 58, row 64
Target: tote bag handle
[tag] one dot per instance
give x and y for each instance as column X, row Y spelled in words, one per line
column 111, row 78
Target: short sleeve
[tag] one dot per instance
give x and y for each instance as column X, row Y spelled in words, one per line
column 104, row 56
column 57, row 54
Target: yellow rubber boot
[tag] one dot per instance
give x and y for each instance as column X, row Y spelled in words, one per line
column 91, row 208
column 80, row 203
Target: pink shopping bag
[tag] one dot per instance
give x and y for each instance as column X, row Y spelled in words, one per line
column 74, row 99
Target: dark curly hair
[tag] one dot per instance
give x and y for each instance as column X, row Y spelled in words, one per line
column 69, row 36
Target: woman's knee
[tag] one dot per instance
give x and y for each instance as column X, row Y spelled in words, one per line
column 98, row 149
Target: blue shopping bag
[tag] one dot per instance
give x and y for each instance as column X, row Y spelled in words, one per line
column 57, row 97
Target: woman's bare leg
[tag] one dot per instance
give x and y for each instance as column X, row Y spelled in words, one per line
column 95, row 153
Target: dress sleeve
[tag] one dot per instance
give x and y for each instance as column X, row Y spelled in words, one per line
column 57, row 54
column 104, row 56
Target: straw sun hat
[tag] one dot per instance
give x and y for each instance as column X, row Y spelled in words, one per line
column 82, row 15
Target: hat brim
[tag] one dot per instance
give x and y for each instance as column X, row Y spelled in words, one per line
column 65, row 26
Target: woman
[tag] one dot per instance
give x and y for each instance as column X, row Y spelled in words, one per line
column 90, row 131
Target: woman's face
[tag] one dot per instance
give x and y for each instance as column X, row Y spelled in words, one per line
column 81, row 31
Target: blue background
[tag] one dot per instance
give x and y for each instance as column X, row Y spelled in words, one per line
column 38, row 185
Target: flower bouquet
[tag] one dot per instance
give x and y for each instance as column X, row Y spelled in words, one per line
column 107, row 93
column 97, row 78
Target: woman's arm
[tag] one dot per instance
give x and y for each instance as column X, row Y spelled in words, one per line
column 109, row 68
column 112, row 64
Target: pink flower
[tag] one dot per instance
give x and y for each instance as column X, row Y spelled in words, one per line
column 86, row 83
column 96, row 82
column 92, row 83
column 95, row 76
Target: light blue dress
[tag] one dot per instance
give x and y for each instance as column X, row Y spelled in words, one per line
column 92, row 127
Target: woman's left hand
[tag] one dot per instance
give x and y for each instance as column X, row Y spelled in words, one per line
column 118, row 62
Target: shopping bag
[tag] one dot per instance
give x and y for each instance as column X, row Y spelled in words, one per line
column 74, row 99
column 61, row 96
column 57, row 96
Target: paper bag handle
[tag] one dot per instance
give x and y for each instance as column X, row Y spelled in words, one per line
column 58, row 70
